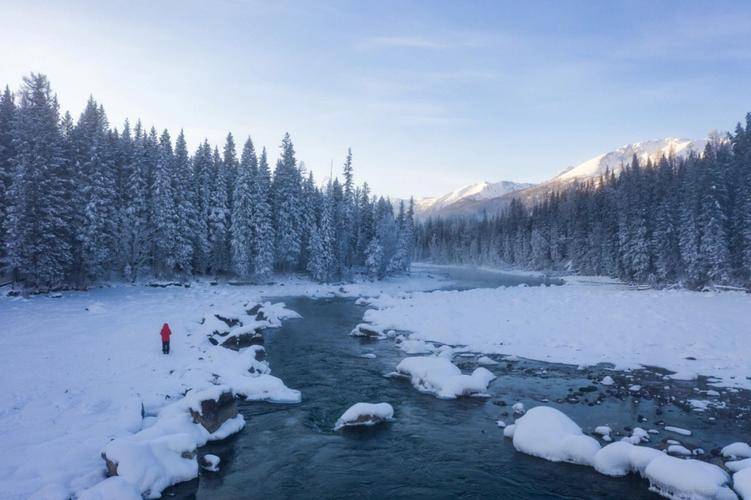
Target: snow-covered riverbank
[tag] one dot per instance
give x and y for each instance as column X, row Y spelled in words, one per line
column 585, row 322
column 78, row 368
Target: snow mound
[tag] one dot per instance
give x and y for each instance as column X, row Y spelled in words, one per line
column 548, row 433
column 621, row 458
column 737, row 450
column 508, row 431
column 365, row 414
column 153, row 465
column 486, row 361
column 638, row 435
column 738, row 465
column 607, row 380
column 742, row 483
column 112, row 488
column 678, row 430
column 688, row 479
column 415, row 346
column 440, row 377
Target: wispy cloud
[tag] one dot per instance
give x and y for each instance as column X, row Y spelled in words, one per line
column 402, row 42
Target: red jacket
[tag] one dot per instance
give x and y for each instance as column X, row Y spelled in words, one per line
column 165, row 333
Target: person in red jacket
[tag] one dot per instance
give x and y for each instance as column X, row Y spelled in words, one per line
column 165, row 333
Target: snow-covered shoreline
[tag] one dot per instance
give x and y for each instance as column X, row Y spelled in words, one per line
column 585, row 322
column 79, row 369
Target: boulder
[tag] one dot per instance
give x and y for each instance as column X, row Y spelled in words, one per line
column 229, row 321
column 247, row 339
column 365, row 330
column 214, row 412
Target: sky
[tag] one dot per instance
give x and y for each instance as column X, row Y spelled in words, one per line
column 430, row 95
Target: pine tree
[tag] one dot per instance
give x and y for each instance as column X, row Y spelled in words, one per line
column 286, row 194
column 38, row 229
column 243, row 207
column 185, row 213
column 165, row 212
column 218, row 230
column 137, row 234
column 261, row 222
column 7, row 120
column 203, row 166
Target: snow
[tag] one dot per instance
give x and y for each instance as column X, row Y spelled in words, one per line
column 211, row 462
column 736, row 450
column 509, row 430
column 415, row 346
column 79, row 369
column 621, row 458
column 677, row 449
column 548, row 433
column 578, row 324
column 638, row 435
column 365, row 414
column 607, row 380
column 112, row 488
column 437, row 375
column 518, row 408
column 678, row 430
column 687, row 479
column 738, row 465
column 604, row 431
column 646, row 150
column 742, row 483
column 486, row 361
column 479, row 191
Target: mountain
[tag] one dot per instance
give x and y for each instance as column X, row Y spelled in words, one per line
column 494, row 197
column 614, row 160
column 452, row 203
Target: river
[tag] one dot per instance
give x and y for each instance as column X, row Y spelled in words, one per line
column 434, row 448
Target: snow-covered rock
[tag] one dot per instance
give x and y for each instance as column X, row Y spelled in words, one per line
column 210, row 462
column 738, row 465
column 366, row 330
column 678, row 430
column 439, row 376
column 688, row 479
column 486, row 361
column 518, row 408
column 621, row 458
column 365, row 414
column 548, row 433
column 509, row 430
column 736, row 450
column 415, row 346
column 678, row 449
column 638, row 435
column 604, row 431
column 607, row 380
column 742, row 483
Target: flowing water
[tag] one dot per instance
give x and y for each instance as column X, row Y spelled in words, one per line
column 434, row 448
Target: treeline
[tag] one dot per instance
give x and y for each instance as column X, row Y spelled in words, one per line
column 679, row 221
column 82, row 202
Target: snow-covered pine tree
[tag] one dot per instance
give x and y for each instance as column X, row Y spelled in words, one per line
column 712, row 219
column 165, row 212
column 7, row 117
column 39, row 253
column 229, row 170
column 185, row 213
column 96, row 194
column 218, row 208
column 203, row 166
column 261, row 221
column 136, row 231
column 243, row 207
column 286, row 195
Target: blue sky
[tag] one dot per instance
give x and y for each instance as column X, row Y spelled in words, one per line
column 430, row 95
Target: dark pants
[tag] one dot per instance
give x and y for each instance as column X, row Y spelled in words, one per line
column 165, row 346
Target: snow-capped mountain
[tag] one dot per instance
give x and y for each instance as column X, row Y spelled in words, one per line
column 474, row 192
column 614, row 160
column 493, row 197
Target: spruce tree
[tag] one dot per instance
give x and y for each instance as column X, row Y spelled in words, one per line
column 7, row 120
column 286, row 195
column 261, row 221
column 39, row 253
column 243, row 207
